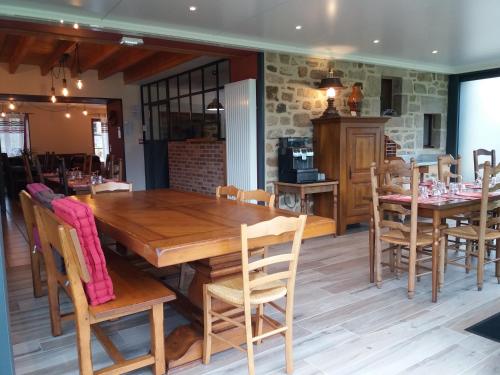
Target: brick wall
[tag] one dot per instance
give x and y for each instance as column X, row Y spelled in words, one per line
column 197, row 166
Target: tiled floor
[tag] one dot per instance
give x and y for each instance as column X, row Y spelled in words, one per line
column 343, row 325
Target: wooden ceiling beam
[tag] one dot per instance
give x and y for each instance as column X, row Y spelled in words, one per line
column 155, row 64
column 84, row 35
column 21, row 48
column 120, row 61
column 98, row 57
column 63, row 46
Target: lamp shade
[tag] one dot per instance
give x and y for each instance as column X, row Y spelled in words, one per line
column 215, row 105
column 330, row 81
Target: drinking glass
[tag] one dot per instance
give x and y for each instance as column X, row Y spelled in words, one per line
column 454, row 188
column 423, row 192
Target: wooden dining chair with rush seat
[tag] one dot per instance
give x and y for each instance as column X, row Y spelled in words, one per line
column 229, row 191
column 111, row 186
column 254, row 288
column 260, row 196
column 135, row 292
column 36, row 256
column 478, row 236
column 482, row 154
column 408, row 244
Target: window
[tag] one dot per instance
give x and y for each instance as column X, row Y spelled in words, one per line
column 12, row 134
column 175, row 108
column 390, row 96
column 432, row 130
column 101, row 141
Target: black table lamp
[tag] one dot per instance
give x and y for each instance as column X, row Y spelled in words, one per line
column 329, row 84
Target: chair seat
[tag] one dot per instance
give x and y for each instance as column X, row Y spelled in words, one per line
column 425, row 227
column 399, row 238
column 135, row 290
column 231, row 290
column 471, row 232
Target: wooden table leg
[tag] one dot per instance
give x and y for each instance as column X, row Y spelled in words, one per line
column 436, row 221
column 277, row 193
column 303, row 208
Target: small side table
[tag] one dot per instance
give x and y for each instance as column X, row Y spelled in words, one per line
column 306, row 189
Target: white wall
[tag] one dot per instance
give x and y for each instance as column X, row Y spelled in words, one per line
column 28, row 80
column 479, row 122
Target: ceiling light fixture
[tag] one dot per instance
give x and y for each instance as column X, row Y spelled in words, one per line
column 298, row 27
column 435, row 52
column 53, row 98
column 85, row 112
column 131, row 41
column 76, row 60
column 3, row 114
column 215, row 105
column 192, row 8
column 67, row 114
column 65, row 90
column 12, row 106
column 61, row 21
column 76, row 26
column 376, row 41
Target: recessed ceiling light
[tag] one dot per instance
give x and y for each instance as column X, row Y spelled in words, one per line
column 192, row 8
column 435, row 52
column 376, row 41
column 61, row 21
column 76, row 26
column 298, row 27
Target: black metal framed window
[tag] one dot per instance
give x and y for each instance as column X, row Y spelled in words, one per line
column 186, row 105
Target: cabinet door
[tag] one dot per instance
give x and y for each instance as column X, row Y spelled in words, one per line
column 363, row 148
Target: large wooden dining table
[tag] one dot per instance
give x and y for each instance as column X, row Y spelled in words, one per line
column 438, row 211
column 168, row 227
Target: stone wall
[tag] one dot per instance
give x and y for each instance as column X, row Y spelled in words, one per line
column 292, row 99
column 197, row 166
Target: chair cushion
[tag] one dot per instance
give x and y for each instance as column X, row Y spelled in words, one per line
column 231, row 290
column 45, row 197
column 37, row 187
column 79, row 215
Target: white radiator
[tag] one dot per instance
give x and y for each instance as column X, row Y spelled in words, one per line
column 241, row 134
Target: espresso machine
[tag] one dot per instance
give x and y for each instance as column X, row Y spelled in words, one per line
column 295, row 161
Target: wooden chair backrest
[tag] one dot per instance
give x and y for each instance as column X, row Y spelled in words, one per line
column 477, row 164
column 394, row 171
column 276, row 227
column 108, row 166
column 257, row 195
column 39, row 170
column 29, row 216
column 87, row 165
column 228, row 191
column 445, row 165
column 63, row 177
column 27, row 169
column 56, row 235
column 485, row 221
column 108, row 187
column 388, row 215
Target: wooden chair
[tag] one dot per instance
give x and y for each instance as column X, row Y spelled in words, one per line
column 27, row 169
column 135, row 292
column 111, row 186
column 400, row 236
column 35, row 253
column 228, row 191
column 108, row 166
column 63, row 176
column 256, row 288
column 87, row 165
column 477, row 164
column 39, row 170
column 257, row 195
column 478, row 236
column 445, row 165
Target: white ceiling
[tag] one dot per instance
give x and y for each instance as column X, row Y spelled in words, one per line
column 464, row 31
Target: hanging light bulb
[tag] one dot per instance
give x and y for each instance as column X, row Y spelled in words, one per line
column 85, row 112
column 53, row 98
column 79, row 84
column 67, row 114
column 12, row 106
column 64, row 90
column 3, row 114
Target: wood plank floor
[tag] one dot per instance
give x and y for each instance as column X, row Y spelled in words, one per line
column 343, row 325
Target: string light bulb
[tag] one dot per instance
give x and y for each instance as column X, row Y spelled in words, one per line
column 12, row 106
column 79, row 84
column 85, row 112
column 67, row 115
column 3, row 114
column 64, row 90
column 53, row 97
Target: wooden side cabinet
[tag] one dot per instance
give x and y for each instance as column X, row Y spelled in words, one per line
column 344, row 149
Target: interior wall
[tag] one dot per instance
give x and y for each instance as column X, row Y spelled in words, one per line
column 27, row 80
column 51, row 131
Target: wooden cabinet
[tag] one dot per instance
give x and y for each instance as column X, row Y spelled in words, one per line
column 344, row 149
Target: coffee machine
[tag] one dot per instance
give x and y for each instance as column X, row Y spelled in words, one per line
column 295, row 161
